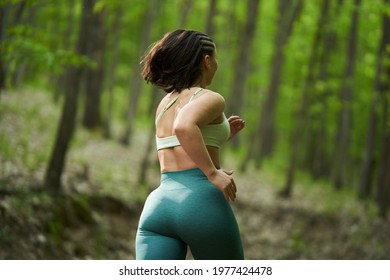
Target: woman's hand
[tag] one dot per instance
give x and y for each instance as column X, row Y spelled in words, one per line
column 223, row 180
column 236, row 124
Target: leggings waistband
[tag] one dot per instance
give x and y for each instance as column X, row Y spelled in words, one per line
column 189, row 178
column 187, row 173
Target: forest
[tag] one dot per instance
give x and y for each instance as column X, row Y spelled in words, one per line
column 77, row 137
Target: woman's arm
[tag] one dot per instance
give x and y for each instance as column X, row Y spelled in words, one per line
column 200, row 112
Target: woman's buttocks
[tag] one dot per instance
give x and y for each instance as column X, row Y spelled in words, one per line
column 186, row 198
column 192, row 195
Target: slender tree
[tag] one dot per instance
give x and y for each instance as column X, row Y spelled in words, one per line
column 136, row 85
column 383, row 188
column 67, row 123
column 4, row 11
column 289, row 11
column 301, row 120
column 114, row 37
column 26, row 17
column 68, row 43
column 343, row 136
column 209, row 26
column 242, row 60
column 383, row 183
column 146, row 162
column 11, row 15
column 95, row 76
column 367, row 168
column 185, row 8
column 317, row 158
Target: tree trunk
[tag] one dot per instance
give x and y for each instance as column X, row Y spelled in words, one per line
column 145, row 165
column 186, row 6
column 383, row 189
column 154, row 6
column 301, row 121
column 365, row 184
column 95, row 77
column 288, row 13
column 67, row 44
column 24, row 15
column 242, row 62
column 320, row 165
column 4, row 10
column 383, row 185
column 68, row 118
column 341, row 152
column 383, row 194
column 209, row 26
column 111, row 72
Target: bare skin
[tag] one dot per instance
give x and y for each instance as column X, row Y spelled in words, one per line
column 184, row 119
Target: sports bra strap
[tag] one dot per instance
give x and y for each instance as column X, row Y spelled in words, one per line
column 195, row 93
column 172, row 102
column 165, row 109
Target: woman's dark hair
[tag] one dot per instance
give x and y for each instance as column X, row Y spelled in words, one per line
column 174, row 62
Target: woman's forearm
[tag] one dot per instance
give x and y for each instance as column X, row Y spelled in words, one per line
column 191, row 140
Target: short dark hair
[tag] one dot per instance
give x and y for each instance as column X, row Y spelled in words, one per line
column 174, row 62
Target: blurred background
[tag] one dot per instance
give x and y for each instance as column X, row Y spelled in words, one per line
column 77, row 151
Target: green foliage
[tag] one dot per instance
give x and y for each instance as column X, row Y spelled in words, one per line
column 45, row 47
column 35, row 42
column 13, row 2
column 81, row 224
column 20, row 48
column 27, row 122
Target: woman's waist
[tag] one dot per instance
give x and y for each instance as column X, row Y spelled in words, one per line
column 188, row 179
column 176, row 159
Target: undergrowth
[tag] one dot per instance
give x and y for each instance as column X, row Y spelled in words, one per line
column 96, row 214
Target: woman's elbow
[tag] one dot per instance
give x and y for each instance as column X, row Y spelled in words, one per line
column 180, row 129
column 184, row 129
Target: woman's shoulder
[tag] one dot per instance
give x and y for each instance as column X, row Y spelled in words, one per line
column 209, row 101
column 211, row 95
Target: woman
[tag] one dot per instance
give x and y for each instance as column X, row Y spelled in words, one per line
column 191, row 205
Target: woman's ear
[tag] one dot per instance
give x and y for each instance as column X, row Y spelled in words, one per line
column 207, row 61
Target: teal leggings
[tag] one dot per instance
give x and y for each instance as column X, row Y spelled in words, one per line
column 187, row 210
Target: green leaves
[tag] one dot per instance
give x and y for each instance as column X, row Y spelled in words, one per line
column 22, row 48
